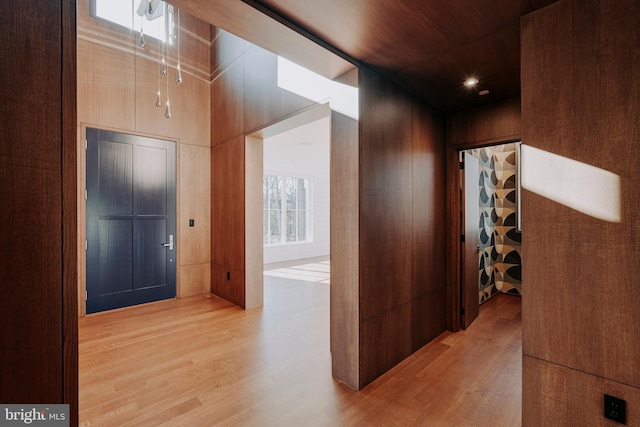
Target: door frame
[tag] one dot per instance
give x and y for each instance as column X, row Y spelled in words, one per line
column 470, row 247
column 454, row 205
column 82, row 206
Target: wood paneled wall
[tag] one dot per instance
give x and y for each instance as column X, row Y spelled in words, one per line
column 118, row 82
column 344, row 249
column 428, row 227
column 38, row 308
column 402, row 218
column 245, row 97
column 581, row 322
column 527, row 6
column 228, row 220
column 254, row 229
column 490, row 124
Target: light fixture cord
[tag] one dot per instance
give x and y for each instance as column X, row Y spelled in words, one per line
column 160, row 63
column 167, row 112
column 179, row 66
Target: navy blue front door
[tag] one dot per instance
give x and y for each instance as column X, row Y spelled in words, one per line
column 131, row 220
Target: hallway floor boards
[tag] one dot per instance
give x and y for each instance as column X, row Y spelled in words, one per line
column 202, row 361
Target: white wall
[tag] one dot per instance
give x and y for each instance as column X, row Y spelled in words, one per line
column 303, row 152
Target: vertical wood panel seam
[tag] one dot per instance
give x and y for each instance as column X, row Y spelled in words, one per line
column 550, row 362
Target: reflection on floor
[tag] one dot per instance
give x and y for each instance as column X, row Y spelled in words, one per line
column 202, row 361
column 311, row 272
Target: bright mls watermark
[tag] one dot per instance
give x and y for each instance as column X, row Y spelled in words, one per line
column 36, row 415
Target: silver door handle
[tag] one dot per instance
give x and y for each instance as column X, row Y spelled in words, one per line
column 170, row 244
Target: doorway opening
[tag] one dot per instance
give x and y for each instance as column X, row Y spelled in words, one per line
column 491, row 248
column 288, row 203
column 296, row 211
column 296, row 200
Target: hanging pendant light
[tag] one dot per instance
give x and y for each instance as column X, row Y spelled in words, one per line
column 163, row 69
column 167, row 111
column 179, row 71
column 150, row 10
column 163, row 65
column 174, row 33
column 170, row 26
column 141, row 42
column 179, row 75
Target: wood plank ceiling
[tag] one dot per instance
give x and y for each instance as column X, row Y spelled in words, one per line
column 427, row 46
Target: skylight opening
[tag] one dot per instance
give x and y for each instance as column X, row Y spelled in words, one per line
column 342, row 98
column 124, row 13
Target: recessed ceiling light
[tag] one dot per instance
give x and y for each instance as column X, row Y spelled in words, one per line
column 483, row 92
column 471, row 82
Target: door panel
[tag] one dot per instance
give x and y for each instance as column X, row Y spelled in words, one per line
column 470, row 248
column 115, row 179
column 131, row 208
column 116, row 244
column 151, row 256
column 152, row 181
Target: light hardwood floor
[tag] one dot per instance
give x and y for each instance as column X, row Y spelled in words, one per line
column 316, row 271
column 201, row 361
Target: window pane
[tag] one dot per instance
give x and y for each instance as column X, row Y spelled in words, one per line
column 302, row 226
column 275, row 235
column 291, row 193
column 265, row 193
column 291, row 226
column 117, row 11
column 124, row 13
column 275, row 192
column 265, row 227
column 302, row 193
column 285, row 204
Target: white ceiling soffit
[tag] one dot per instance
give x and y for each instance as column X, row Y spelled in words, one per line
column 302, row 151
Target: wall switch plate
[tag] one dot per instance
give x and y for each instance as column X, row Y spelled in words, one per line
column 615, row 409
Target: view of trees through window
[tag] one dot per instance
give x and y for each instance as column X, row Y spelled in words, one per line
column 285, row 206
